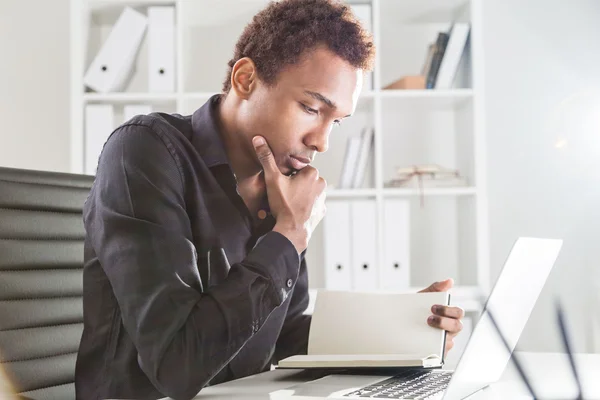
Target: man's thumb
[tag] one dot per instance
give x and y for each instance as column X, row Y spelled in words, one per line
column 264, row 154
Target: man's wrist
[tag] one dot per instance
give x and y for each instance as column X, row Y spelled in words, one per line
column 296, row 236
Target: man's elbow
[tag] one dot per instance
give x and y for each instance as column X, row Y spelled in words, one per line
column 178, row 380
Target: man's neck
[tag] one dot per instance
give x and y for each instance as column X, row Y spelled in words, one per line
column 237, row 146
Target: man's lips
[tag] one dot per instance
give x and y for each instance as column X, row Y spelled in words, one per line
column 299, row 162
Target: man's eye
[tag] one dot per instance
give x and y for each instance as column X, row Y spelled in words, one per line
column 337, row 122
column 309, row 110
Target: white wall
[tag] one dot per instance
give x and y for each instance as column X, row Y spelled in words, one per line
column 34, row 84
column 542, row 59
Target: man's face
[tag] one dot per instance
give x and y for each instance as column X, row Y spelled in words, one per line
column 297, row 114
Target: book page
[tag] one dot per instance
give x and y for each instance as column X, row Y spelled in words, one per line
column 375, row 323
column 359, row 360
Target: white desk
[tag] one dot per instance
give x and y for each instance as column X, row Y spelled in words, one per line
column 550, row 373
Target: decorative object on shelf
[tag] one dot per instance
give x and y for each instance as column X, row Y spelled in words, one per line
column 114, row 64
column 414, row 82
column 426, row 176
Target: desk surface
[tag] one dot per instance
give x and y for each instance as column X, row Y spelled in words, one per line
column 550, row 373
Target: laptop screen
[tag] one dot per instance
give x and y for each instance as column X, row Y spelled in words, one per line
column 511, row 301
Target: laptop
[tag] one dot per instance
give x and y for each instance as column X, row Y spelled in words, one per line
column 486, row 355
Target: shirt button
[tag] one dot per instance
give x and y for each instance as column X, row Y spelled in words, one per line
column 289, row 283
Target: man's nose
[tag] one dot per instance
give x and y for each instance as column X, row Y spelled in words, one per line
column 318, row 139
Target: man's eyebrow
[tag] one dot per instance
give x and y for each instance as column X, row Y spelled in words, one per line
column 323, row 99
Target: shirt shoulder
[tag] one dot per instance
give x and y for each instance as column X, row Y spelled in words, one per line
column 151, row 132
column 171, row 127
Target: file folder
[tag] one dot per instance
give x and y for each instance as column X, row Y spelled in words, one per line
column 337, row 251
column 396, row 245
column 112, row 67
column 364, row 232
column 131, row 110
column 99, row 124
column 161, row 49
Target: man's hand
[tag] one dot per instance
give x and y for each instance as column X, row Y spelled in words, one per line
column 296, row 202
column 444, row 317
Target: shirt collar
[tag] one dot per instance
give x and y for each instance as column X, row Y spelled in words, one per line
column 208, row 143
column 206, row 138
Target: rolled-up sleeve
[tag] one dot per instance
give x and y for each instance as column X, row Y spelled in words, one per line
column 139, row 228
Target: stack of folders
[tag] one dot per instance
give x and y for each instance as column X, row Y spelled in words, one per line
column 358, row 149
column 444, row 55
column 352, row 260
column 114, row 65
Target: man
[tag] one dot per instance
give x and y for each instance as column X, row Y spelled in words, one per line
column 197, row 226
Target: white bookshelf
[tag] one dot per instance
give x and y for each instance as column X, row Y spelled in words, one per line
column 449, row 235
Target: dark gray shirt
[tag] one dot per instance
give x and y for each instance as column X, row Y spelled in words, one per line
column 179, row 292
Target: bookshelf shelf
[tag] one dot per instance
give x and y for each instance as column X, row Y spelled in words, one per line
column 350, row 193
column 422, row 12
column 129, row 97
column 427, row 94
column 402, row 192
column 132, row 3
column 197, row 95
column 429, row 99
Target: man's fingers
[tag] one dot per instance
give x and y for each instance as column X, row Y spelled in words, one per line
column 310, row 172
column 439, row 286
column 265, row 156
column 445, row 311
column 449, row 345
column 447, row 324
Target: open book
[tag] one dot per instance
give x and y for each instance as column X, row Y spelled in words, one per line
column 372, row 330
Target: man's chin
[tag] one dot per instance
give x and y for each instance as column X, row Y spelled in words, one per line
column 288, row 170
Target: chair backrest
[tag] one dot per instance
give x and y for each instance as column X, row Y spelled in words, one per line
column 41, row 266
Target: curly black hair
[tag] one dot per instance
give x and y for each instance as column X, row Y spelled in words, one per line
column 280, row 34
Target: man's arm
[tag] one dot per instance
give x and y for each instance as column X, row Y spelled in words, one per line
column 293, row 338
column 137, row 223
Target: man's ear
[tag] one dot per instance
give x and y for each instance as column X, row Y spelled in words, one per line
column 243, row 77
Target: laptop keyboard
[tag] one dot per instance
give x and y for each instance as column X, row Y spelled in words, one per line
column 408, row 385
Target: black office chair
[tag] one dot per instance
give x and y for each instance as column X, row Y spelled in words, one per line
column 41, row 261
